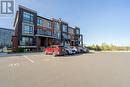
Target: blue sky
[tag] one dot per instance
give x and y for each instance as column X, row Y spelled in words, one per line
column 100, row 20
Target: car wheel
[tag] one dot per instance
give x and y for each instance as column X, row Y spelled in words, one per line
column 67, row 52
column 54, row 54
column 45, row 53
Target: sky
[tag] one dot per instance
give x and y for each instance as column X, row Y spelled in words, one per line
column 100, row 21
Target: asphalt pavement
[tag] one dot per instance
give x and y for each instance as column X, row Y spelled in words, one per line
column 102, row 69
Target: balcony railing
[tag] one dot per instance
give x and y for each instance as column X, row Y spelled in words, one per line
column 44, row 32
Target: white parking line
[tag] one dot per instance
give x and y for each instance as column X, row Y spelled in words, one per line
column 12, row 65
column 28, row 59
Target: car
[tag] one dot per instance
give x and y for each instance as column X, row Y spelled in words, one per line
column 54, row 50
column 74, row 49
column 84, row 50
column 79, row 49
column 69, row 50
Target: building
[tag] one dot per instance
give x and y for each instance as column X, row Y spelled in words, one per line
column 5, row 37
column 35, row 32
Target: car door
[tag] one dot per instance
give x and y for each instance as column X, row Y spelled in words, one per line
column 51, row 49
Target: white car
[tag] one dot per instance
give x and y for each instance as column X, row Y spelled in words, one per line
column 74, row 49
column 84, row 50
column 69, row 50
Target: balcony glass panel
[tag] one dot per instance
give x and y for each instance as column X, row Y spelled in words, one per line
column 48, row 33
column 40, row 32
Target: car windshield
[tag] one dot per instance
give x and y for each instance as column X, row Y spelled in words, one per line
column 61, row 46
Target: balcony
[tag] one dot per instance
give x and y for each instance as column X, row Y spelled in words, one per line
column 45, row 33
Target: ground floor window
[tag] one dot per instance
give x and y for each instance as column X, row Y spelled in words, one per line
column 27, row 41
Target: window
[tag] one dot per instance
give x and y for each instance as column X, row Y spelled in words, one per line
column 26, row 41
column 49, row 24
column 57, row 34
column 65, row 36
column 77, row 31
column 56, row 26
column 27, row 17
column 39, row 22
column 71, row 30
column 64, row 28
column 69, row 36
column 28, row 29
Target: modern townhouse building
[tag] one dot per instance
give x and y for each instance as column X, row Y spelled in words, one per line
column 34, row 32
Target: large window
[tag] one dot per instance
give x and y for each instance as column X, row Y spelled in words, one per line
column 49, row 24
column 69, row 36
column 27, row 17
column 64, row 28
column 71, row 30
column 39, row 22
column 26, row 41
column 65, row 36
column 57, row 26
column 57, row 34
column 77, row 31
column 27, row 29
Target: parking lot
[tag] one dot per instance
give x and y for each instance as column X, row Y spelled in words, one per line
column 100, row 69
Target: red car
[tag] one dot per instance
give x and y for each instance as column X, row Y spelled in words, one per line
column 55, row 50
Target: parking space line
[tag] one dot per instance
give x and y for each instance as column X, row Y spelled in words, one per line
column 12, row 65
column 28, row 59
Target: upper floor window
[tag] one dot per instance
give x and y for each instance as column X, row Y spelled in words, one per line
column 71, row 30
column 77, row 31
column 56, row 26
column 69, row 36
column 64, row 28
column 65, row 36
column 49, row 24
column 28, row 29
column 57, row 34
column 27, row 17
column 39, row 22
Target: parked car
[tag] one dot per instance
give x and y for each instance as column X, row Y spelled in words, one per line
column 79, row 49
column 74, row 49
column 69, row 50
column 54, row 50
column 84, row 50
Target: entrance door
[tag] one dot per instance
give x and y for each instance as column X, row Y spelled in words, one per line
column 43, row 40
